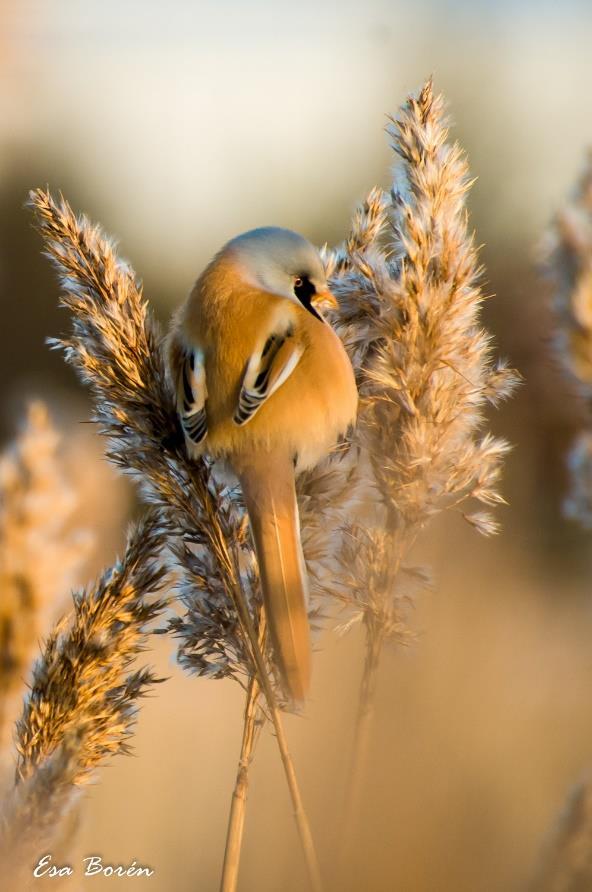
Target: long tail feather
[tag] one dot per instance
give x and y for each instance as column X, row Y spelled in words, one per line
column 270, row 497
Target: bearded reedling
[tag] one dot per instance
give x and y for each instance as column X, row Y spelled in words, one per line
column 264, row 384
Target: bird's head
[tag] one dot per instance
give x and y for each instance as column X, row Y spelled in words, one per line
column 284, row 263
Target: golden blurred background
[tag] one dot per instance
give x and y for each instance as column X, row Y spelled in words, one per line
column 178, row 125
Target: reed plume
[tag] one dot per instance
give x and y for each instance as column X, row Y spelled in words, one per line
column 116, row 347
column 40, row 554
column 83, row 699
column 567, row 262
column 566, row 864
column 407, row 279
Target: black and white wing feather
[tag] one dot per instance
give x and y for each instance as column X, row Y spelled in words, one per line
column 192, row 395
column 266, row 372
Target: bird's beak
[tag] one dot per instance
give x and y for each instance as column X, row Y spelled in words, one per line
column 325, row 299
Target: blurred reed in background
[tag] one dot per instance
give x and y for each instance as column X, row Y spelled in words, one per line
column 41, row 558
column 566, row 863
column 568, row 264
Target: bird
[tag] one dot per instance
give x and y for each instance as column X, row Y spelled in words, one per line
column 264, row 385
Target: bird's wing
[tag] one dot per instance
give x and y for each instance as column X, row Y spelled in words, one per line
column 192, row 394
column 266, row 372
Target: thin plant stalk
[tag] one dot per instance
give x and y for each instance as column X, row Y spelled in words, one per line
column 252, row 722
column 232, row 581
column 238, row 807
column 300, row 816
column 236, row 820
column 312, row 863
column 375, row 638
column 377, row 623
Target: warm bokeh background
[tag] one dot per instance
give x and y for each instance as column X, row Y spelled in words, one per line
column 179, row 124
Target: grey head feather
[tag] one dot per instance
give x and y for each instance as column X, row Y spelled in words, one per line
column 270, row 258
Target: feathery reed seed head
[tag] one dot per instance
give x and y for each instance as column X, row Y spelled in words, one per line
column 116, row 347
column 407, row 281
column 83, row 697
column 428, row 373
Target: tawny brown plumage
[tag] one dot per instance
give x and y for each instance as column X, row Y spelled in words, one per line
column 265, row 384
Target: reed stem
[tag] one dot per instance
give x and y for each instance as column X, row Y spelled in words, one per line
column 375, row 636
column 236, row 820
column 232, row 581
column 300, row 815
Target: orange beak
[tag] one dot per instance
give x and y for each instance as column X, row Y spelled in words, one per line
column 325, row 299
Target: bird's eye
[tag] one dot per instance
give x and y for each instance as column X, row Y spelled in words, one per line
column 303, row 289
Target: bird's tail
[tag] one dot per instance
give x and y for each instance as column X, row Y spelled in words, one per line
column 270, row 498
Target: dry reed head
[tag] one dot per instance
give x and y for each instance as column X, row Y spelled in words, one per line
column 40, row 556
column 431, row 373
column 83, row 697
column 407, row 279
column 567, row 251
column 116, row 347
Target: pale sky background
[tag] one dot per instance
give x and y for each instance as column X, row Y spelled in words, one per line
column 187, row 122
